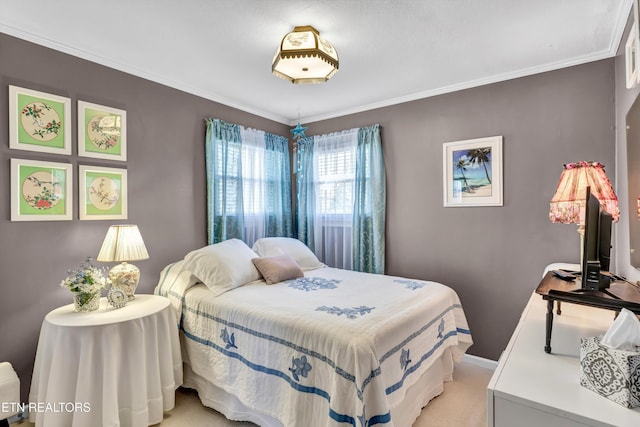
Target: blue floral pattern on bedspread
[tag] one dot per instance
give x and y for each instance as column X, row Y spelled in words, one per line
column 411, row 284
column 350, row 313
column 239, row 341
column 312, row 283
column 229, row 340
column 300, row 367
column 404, row 359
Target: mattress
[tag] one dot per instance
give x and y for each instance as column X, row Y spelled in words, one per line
column 333, row 348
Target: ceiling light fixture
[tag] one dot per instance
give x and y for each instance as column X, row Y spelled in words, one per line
column 305, row 57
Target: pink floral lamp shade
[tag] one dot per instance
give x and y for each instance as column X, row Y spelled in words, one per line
column 567, row 205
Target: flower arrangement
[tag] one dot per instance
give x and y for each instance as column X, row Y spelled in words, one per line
column 86, row 283
column 87, row 278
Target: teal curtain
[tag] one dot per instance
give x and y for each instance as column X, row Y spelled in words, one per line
column 368, row 232
column 256, row 204
column 335, row 172
column 278, row 212
column 305, row 191
column 224, row 181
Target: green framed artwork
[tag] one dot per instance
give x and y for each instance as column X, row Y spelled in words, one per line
column 102, row 132
column 41, row 191
column 39, row 121
column 103, row 193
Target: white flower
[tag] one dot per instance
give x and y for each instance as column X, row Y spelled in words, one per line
column 86, row 279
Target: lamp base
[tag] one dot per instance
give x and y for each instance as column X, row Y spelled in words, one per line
column 125, row 276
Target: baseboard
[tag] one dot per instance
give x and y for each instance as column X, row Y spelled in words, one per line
column 480, row 361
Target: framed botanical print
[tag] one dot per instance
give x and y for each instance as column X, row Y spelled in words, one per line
column 103, row 193
column 39, row 121
column 102, row 132
column 41, row 191
column 472, row 172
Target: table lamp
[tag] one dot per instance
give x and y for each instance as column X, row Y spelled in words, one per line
column 568, row 204
column 123, row 243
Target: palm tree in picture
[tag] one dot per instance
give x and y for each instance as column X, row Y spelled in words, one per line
column 462, row 165
column 482, row 156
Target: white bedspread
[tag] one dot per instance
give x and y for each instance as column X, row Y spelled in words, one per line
column 334, row 348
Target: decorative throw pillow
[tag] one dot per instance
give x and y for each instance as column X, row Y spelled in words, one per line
column 270, row 246
column 223, row 266
column 277, row 268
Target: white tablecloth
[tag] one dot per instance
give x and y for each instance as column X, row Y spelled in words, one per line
column 108, row 367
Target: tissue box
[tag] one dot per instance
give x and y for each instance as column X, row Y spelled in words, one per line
column 614, row 374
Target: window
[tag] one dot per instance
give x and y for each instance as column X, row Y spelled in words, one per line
column 243, row 166
column 333, row 197
column 341, row 216
column 249, row 192
column 336, row 174
column 254, row 179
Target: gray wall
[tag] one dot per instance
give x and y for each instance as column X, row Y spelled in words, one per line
column 166, row 176
column 492, row 256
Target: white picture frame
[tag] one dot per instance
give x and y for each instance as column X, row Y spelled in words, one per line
column 102, row 132
column 472, row 172
column 632, row 50
column 102, row 193
column 635, row 30
column 630, row 54
column 41, row 191
column 39, row 121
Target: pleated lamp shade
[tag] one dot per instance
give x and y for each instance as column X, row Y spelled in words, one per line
column 123, row 243
column 567, row 205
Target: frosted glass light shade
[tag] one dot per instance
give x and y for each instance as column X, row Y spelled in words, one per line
column 305, row 57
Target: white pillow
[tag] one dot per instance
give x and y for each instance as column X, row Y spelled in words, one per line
column 223, row 266
column 271, row 246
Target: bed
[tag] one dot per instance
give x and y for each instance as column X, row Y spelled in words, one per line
column 273, row 336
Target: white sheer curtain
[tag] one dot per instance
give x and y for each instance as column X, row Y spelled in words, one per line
column 334, row 170
column 248, row 183
column 253, row 188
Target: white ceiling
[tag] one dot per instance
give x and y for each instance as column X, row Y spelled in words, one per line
column 390, row 51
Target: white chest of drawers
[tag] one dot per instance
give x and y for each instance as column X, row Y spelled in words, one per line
column 532, row 388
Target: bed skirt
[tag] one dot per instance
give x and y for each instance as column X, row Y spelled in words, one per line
column 430, row 385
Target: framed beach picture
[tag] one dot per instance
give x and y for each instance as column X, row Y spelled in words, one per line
column 41, row 191
column 102, row 132
column 472, row 172
column 39, row 121
column 103, row 193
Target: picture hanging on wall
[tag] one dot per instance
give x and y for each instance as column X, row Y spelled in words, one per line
column 103, row 193
column 102, row 132
column 472, row 172
column 41, row 191
column 631, row 50
column 39, row 121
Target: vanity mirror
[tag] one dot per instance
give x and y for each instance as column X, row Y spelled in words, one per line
column 633, row 177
